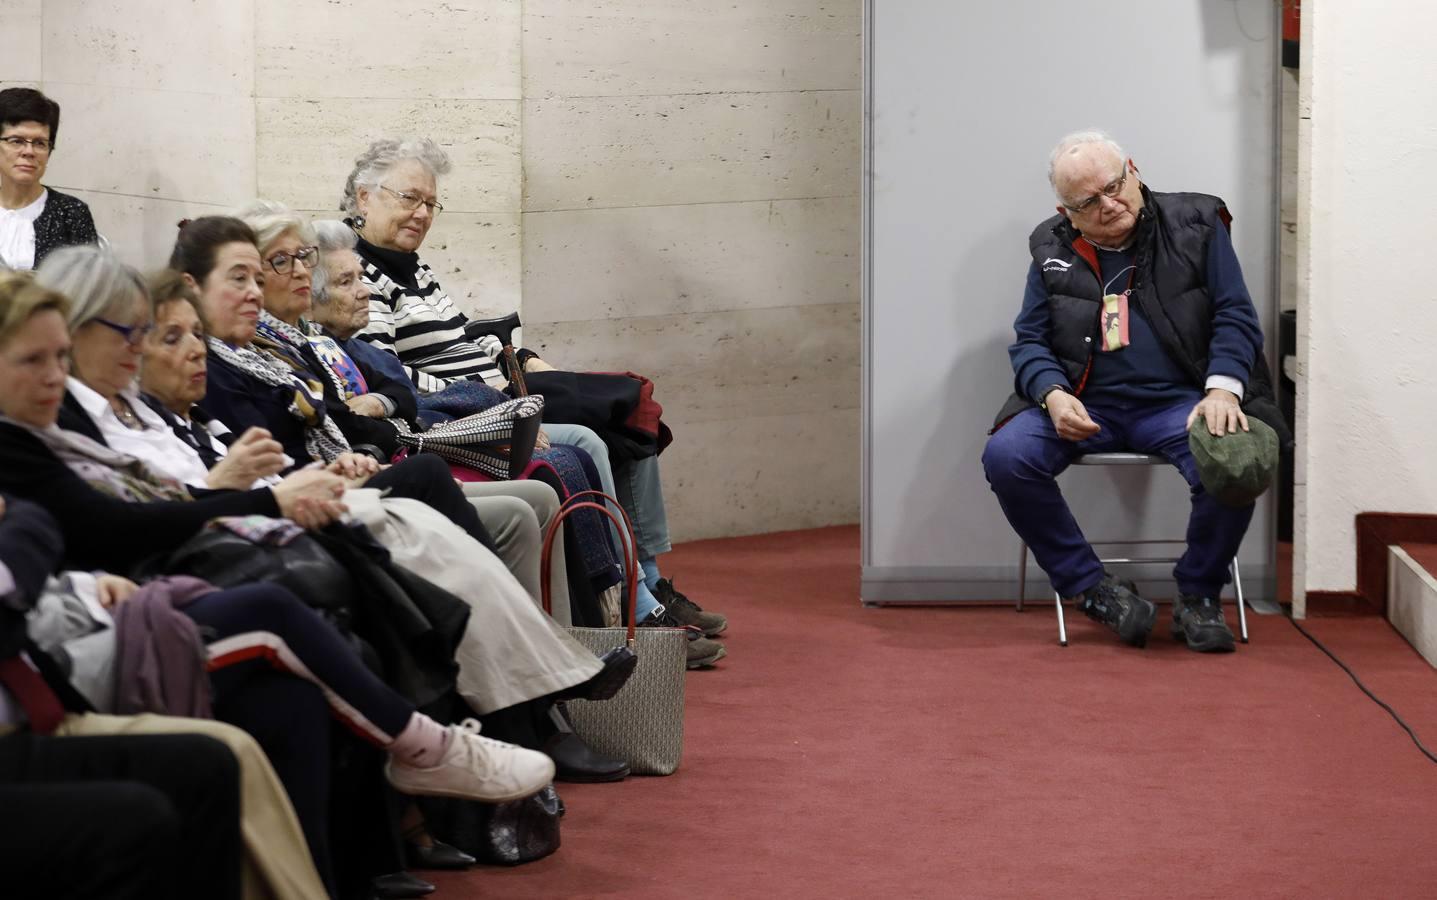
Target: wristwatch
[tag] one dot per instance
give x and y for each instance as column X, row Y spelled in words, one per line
column 1043, row 397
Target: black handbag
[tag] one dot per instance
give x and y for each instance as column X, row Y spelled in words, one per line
column 498, row 834
column 302, row 565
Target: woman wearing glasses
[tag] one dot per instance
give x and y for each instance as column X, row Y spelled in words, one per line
column 391, row 199
column 34, row 220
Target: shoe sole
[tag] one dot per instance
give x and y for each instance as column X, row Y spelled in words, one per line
column 707, row 662
column 1219, row 643
column 609, row 681
column 461, row 795
column 593, row 779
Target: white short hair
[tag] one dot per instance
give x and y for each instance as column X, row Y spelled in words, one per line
column 270, row 220
column 330, row 235
column 97, row 284
column 1071, row 142
column 373, row 164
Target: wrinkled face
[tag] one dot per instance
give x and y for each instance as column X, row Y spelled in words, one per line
column 1086, row 174
column 103, row 356
column 387, row 223
column 174, row 355
column 33, row 366
column 23, row 165
column 233, row 293
column 347, row 311
column 287, row 291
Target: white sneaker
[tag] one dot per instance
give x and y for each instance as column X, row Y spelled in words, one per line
column 475, row 768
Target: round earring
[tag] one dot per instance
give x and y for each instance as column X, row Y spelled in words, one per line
column 358, row 221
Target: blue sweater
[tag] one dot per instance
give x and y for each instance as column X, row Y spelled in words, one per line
column 1142, row 372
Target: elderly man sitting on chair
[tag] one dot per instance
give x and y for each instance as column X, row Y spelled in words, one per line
column 1135, row 324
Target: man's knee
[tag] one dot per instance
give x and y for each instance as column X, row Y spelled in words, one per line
column 1002, row 460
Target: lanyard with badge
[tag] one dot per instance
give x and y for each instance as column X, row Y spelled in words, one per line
column 1115, row 313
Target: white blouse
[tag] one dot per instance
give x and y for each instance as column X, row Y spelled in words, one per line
column 155, row 444
column 17, row 234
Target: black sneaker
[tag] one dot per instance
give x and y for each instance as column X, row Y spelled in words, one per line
column 1115, row 604
column 702, row 652
column 687, row 611
column 1199, row 621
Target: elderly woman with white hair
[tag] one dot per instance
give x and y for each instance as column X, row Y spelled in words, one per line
column 391, row 198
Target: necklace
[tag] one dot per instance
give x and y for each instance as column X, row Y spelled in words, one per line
column 126, row 415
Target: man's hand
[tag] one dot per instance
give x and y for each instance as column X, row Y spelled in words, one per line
column 114, row 590
column 1070, row 417
column 1221, row 411
column 367, row 405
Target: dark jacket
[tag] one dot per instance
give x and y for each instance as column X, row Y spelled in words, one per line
column 1172, row 240
column 101, row 531
column 241, row 401
column 64, row 222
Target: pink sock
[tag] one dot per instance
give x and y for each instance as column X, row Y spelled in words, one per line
column 422, row 742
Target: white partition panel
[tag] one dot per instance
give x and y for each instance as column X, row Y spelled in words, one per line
column 965, row 101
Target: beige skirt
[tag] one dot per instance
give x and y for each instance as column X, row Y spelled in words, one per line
column 511, row 651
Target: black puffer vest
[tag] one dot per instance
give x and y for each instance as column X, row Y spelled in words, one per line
column 1169, row 286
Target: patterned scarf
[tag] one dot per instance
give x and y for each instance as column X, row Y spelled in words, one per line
column 106, row 470
column 272, row 360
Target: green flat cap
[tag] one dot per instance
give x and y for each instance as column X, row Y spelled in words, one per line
column 1237, row 467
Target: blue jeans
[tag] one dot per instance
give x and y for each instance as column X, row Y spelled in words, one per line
column 1025, row 456
column 638, row 490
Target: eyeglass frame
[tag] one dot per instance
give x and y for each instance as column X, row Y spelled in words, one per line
column 1110, row 190
column 39, row 145
column 306, row 256
column 405, row 198
column 129, row 331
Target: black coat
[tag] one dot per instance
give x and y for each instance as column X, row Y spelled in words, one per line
column 64, row 222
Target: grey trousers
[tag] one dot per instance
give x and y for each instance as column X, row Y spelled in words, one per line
column 516, row 514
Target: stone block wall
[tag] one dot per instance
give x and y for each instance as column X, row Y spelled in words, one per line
column 660, row 186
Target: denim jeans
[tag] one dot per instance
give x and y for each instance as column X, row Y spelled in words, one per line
column 1025, row 456
column 638, row 490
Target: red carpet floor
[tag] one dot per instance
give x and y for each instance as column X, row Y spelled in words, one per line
column 849, row 752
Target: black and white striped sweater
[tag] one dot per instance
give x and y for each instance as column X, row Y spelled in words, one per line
column 412, row 317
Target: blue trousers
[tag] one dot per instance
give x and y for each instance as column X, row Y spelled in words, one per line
column 1025, row 456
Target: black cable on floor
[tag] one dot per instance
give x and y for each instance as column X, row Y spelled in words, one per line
column 1358, row 681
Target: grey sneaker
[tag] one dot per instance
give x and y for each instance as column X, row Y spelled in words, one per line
column 475, row 768
column 1199, row 621
column 702, row 652
column 687, row 612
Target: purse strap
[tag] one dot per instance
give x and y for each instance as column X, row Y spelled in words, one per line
column 630, row 548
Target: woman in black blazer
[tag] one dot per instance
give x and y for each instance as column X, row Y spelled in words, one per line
column 34, row 220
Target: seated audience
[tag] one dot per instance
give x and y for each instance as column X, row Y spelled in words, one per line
column 391, row 198
column 34, row 220
column 287, row 335
column 510, row 654
column 34, row 346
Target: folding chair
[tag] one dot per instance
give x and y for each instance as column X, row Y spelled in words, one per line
column 1126, row 459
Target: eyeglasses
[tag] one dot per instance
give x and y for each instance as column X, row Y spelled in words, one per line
column 17, row 144
column 1111, row 190
column 134, row 334
column 283, row 263
column 411, row 202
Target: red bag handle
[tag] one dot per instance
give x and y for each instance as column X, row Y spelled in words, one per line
column 631, row 559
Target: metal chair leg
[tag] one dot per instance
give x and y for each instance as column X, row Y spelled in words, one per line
column 1241, row 604
column 1062, row 625
column 1022, row 574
